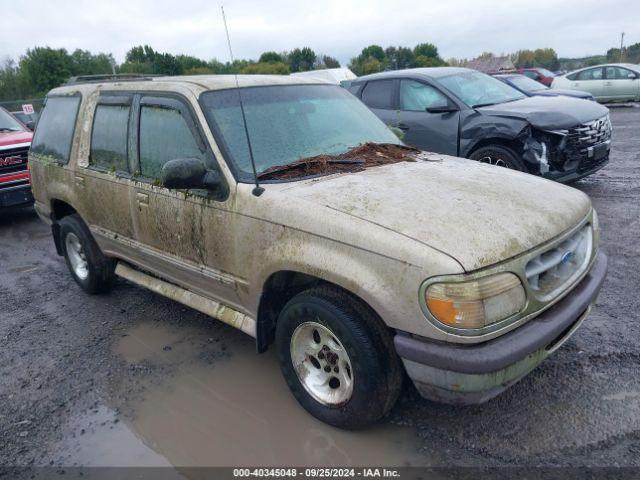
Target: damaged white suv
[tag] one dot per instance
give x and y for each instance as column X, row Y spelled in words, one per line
column 356, row 257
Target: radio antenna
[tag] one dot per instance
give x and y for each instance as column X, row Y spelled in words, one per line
column 258, row 190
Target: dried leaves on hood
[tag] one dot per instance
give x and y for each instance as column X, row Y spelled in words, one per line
column 355, row 160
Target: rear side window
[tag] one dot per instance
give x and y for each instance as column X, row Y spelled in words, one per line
column 590, row 74
column 164, row 136
column 109, row 137
column 378, row 94
column 56, row 127
column 618, row 73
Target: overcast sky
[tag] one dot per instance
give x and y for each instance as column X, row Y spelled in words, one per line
column 341, row 28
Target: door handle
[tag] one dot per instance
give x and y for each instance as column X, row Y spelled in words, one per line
column 142, row 199
column 608, row 84
column 79, row 181
column 402, row 126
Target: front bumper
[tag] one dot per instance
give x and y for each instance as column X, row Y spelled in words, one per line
column 15, row 196
column 463, row 374
column 575, row 175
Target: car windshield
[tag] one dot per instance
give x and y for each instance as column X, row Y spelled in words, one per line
column 526, row 84
column 8, row 123
column 287, row 123
column 478, row 89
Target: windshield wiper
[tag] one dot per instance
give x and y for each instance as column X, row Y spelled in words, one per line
column 353, row 160
column 307, row 163
column 8, row 129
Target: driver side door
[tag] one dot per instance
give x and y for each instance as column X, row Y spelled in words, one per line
column 431, row 131
column 590, row 80
column 180, row 235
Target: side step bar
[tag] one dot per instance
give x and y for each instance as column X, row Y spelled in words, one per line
column 209, row 307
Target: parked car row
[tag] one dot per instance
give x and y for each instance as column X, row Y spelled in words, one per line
column 288, row 210
column 462, row 112
column 531, row 88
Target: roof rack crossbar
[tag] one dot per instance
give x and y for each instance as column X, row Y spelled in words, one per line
column 118, row 77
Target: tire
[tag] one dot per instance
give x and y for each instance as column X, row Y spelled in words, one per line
column 500, row 156
column 90, row 268
column 369, row 376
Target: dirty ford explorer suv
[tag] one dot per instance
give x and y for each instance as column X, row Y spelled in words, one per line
column 462, row 112
column 357, row 258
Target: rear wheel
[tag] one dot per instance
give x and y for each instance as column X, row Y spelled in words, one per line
column 90, row 268
column 337, row 358
column 499, row 156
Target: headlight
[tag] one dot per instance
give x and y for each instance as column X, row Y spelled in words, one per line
column 476, row 303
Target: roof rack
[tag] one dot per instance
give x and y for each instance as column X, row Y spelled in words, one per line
column 118, row 77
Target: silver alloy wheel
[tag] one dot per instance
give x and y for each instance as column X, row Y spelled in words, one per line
column 77, row 257
column 498, row 162
column 322, row 364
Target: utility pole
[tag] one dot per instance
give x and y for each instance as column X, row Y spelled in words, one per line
column 621, row 45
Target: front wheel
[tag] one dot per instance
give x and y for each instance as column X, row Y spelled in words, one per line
column 337, row 358
column 499, row 156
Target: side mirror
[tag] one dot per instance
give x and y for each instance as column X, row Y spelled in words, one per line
column 632, row 76
column 188, row 173
column 31, row 125
column 443, row 108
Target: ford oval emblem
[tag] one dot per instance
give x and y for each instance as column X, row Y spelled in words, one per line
column 566, row 257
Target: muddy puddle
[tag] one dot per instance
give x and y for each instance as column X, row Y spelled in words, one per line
column 203, row 401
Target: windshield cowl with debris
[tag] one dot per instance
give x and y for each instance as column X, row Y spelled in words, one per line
column 354, row 160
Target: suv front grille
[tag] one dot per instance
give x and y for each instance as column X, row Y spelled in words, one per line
column 550, row 271
column 13, row 167
column 579, row 139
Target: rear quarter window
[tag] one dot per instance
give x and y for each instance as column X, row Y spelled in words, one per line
column 109, row 137
column 56, row 126
column 378, row 94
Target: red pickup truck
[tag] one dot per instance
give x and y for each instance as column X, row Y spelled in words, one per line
column 15, row 183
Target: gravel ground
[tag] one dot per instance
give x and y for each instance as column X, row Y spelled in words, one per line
column 65, row 381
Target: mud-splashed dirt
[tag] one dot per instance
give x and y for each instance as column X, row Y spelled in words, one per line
column 357, row 159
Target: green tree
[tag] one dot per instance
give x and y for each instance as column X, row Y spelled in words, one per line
column 140, row 54
column 428, row 50
column 375, row 51
column 546, row 58
column 371, row 65
column 271, row 57
column 83, row 62
column 13, row 84
column 399, row 58
column 371, row 59
column 302, row 59
column 328, row 62
column 266, row 68
column 424, row 61
column 45, row 68
column 144, row 59
column 188, row 63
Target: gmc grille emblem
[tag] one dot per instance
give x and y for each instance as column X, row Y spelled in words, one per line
column 10, row 161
